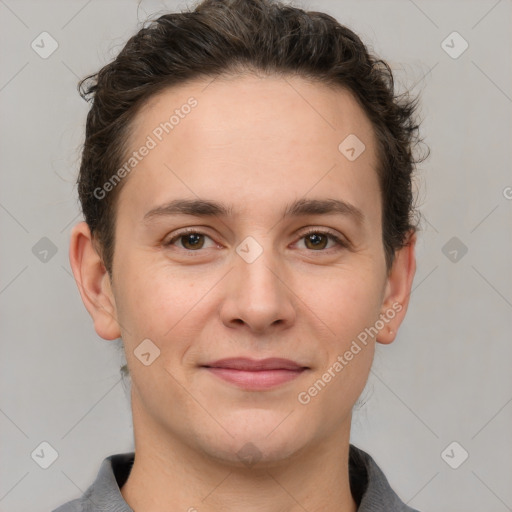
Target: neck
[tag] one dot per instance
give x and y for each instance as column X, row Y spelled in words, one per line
column 170, row 475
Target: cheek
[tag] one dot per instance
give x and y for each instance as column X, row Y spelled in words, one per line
column 347, row 300
column 333, row 393
column 163, row 304
column 146, row 284
column 350, row 304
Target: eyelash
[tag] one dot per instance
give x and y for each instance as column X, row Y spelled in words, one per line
column 341, row 243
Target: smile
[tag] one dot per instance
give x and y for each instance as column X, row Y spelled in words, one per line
column 255, row 375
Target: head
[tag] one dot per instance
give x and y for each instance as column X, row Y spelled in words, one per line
column 265, row 116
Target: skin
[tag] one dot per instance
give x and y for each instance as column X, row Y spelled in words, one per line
column 255, row 143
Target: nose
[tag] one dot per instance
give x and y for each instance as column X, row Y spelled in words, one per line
column 258, row 296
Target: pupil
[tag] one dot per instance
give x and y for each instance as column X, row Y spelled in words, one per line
column 193, row 239
column 316, row 239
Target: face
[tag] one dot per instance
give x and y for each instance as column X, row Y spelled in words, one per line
column 278, row 274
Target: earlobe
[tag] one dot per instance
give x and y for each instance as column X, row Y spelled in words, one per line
column 398, row 290
column 93, row 282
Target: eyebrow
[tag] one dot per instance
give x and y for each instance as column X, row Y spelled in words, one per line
column 209, row 208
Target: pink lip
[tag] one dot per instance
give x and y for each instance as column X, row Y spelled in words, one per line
column 252, row 374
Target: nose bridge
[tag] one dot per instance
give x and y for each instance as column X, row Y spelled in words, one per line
column 256, row 267
column 259, row 296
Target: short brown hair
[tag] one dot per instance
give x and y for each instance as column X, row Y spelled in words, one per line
column 225, row 36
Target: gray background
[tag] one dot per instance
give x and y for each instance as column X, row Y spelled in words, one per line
column 447, row 376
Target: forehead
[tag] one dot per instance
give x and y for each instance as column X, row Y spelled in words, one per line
column 247, row 137
column 270, row 103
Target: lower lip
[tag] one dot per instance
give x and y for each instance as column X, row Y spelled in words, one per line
column 256, row 380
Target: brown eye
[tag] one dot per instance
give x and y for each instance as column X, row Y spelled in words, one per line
column 192, row 241
column 316, row 241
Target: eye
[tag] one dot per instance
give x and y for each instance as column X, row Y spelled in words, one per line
column 191, row 240
column 317, row 239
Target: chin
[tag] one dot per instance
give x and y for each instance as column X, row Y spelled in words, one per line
column 261, row 439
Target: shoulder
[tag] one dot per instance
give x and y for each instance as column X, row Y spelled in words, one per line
column 370, row 487
column 104, row 493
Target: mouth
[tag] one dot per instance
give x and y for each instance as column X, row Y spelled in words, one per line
column 251, row 374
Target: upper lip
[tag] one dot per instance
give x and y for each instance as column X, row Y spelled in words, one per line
column 248, row 364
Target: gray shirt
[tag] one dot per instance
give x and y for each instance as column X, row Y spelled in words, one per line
column 369, row 486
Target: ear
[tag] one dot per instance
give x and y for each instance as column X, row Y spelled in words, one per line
column 93, row 282
column 398, row 290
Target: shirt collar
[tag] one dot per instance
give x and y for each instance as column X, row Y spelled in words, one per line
column 368, row 484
